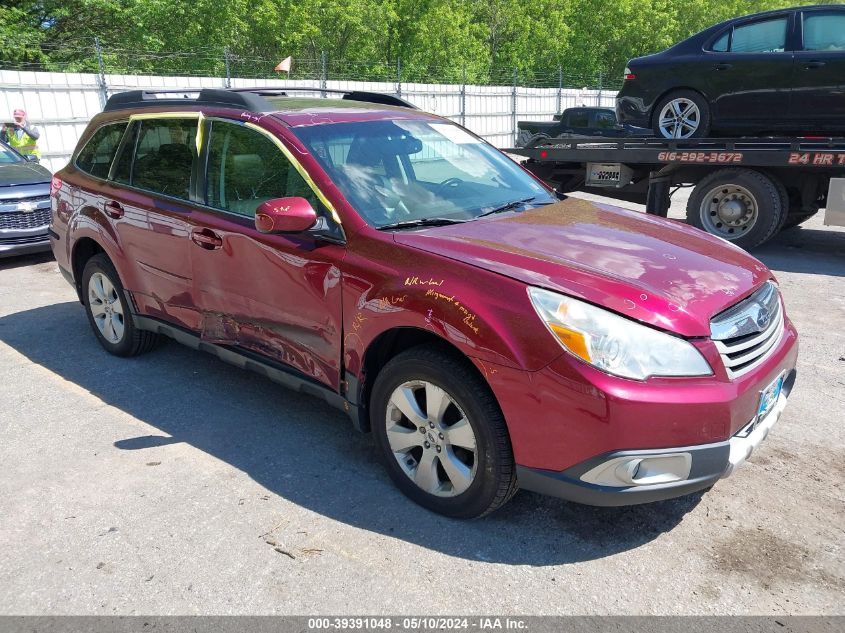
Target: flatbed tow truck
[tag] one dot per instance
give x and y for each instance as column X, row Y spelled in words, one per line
column 746, row 189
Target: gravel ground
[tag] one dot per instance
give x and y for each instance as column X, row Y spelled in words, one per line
column 176, row 484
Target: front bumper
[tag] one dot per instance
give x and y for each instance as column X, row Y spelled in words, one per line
column 707, row 464
column 14, row 243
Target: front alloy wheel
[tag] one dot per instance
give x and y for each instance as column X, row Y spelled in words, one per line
column 441, row 433
column 431, row 439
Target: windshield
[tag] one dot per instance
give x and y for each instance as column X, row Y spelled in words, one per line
column 404, row 171
column 8, row 156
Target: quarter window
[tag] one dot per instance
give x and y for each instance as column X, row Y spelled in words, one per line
column 768, row 36
column 721, row 44
column 96, row 157
column 122, row 171
column 245, row 168
column 824, row 32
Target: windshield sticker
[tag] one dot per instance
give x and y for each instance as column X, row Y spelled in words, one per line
column 455, row 134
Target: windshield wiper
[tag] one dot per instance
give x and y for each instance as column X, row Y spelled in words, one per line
column 506, row 207
column 409, row 224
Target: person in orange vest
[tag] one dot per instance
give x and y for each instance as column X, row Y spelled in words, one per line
column 21, row 135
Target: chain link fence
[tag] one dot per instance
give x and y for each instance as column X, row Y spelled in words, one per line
column 79, row 80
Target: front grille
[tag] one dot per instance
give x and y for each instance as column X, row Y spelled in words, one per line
column 748, row 332
column 20, row 220
column 35, row 199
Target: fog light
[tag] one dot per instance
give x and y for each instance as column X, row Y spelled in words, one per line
column 640, row 470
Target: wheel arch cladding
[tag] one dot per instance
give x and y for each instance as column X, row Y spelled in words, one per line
column 390, row 344
column 83, row 250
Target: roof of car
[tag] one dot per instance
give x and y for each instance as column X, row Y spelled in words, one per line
column 297, row 112
column 338, row 106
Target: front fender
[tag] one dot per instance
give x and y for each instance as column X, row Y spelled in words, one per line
column 486, row 316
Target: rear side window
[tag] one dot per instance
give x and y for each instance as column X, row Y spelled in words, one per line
column 824, row 32
column 96, row 157
column 245, row 168
column 579, row 119
column 165, row 155
column 768, row 36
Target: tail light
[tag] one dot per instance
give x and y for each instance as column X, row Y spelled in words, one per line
column 629, row 75
column 55, row 185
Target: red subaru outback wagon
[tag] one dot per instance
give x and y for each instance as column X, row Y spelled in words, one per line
column 489, row 334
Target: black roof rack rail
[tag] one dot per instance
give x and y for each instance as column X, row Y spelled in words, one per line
column 199, row 96
column 251, row 99
column 351, row 95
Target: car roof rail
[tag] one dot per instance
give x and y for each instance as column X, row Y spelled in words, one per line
column 251, row 99
column 198, row 96
column 351, row 95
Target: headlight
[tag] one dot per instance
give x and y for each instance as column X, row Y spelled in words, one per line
column 613, row 343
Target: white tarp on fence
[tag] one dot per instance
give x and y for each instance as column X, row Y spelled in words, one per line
column 61, row 104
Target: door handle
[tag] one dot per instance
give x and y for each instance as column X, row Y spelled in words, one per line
column 723, row 66
column 207, row 239
column 113, row 209
column 813, row 64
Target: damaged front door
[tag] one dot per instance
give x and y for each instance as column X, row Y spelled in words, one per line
column 276, row 295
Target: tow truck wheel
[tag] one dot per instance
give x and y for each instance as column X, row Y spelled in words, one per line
column 743, row 206
column 794, row 219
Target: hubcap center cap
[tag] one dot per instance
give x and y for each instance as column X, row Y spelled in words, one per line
column 732, row 210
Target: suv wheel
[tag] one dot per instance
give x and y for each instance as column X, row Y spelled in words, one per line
column 441, row 434
column 108, row 311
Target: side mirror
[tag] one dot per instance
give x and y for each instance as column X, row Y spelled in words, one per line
column 285, row 215
column 32, row 158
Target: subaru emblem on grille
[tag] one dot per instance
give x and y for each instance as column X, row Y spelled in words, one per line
column 763, row 318
column 26, row 206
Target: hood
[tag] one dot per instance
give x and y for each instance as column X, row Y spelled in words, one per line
column 657, row 271
column 23, row 173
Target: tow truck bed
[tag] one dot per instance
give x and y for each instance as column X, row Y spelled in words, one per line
column 644, row 170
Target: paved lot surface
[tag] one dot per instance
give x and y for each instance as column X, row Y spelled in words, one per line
column 173, row 483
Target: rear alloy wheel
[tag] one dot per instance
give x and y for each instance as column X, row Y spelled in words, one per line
column 108, row 310
column 681, row 115
column 441, row 433
column 742, row 206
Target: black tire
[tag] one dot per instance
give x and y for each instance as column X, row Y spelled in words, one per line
column 767, row 197
column 794, row 219
column 133, row 341
column 784, row 200
column 703, row 129
column 494, row 482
